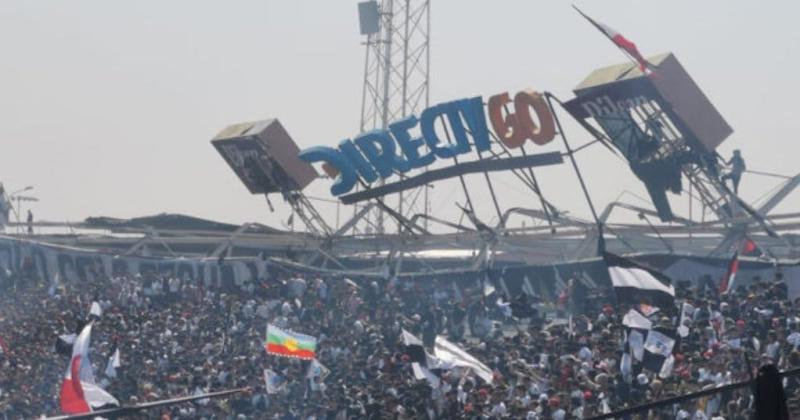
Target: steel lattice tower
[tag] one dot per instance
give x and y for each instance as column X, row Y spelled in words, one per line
column 396, row 85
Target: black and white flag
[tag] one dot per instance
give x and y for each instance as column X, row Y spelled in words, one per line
column 414, row 348
column 659, row 343
column 64, row 344
column 634, row 284
column 658, row 349
column 634, row 319
column 422, row 373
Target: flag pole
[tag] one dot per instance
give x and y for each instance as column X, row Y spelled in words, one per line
column 599, row 28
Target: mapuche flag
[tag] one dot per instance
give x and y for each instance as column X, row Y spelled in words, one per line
column 290, row 344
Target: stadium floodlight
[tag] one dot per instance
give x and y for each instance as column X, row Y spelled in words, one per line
column 368, row 17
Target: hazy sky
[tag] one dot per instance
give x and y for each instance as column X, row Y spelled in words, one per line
column 107, row 108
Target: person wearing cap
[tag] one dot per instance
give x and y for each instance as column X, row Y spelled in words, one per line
column 737, row 168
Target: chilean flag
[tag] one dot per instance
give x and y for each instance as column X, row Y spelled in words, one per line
column 750, row 248
column 79, row 393
column 620, row 41
column 726, row 285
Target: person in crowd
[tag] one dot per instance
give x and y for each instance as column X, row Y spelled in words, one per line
column 204, row 338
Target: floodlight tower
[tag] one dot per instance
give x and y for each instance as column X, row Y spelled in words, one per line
column 396, row 78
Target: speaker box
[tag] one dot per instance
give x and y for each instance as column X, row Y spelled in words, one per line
column 264, row 157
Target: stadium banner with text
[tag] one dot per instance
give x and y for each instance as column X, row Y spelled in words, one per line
column 442, row 132
column 74, row 264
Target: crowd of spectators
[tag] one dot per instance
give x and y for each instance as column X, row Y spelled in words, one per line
column 179, row 338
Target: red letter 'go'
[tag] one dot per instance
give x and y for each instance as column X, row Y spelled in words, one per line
column 514, row 129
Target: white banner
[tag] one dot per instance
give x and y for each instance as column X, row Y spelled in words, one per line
column 451, row 353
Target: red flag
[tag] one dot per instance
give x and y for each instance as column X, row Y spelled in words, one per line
column 72, row 399
column 619, row 40
column 726, row 284
column 750, row 248
column 79, row 393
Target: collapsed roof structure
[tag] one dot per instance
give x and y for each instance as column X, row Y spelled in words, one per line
column 664, row 126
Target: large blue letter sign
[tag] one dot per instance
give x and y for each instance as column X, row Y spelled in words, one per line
column 382, row 153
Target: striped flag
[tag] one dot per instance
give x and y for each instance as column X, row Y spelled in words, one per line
column 726, row 284
column 619, row 40
column 658, row 348
column 79, row 392
column 290, row 344
column 635, row 284
column 751, row 249
column 415, row 350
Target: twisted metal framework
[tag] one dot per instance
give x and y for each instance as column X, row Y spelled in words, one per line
column 396, row 85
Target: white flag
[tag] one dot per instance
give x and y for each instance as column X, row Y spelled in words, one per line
column 317, row 369
column 687, row 311
column 451, row 353
column 409, row 339
column 633, row 319
column 96, row 310
column 488, row 288
column 625, row 367
column 113, row 364
column 666, row 368
column 636, row 342
column 273, row 381
column 421, row 373
column 658, row 343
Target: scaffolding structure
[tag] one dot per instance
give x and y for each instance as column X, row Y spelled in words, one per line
column 396, row 85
